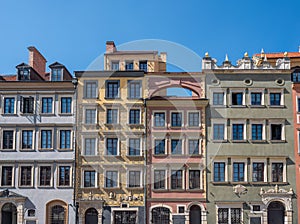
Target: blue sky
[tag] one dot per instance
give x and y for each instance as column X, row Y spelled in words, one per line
column 74, row 32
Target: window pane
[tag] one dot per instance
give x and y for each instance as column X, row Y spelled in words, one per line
column 45, row 175
column 134, row 89
column 176, row 179
column 218, row 98
column 47, row 104
column 91, row 89
column 65, row 139
column 159, row 147
column 112, row 146
column 176, row 119
column 277, row 172
column 159, row 119
column 237, row 98
column 112, row 89
column 276, row 130
column 46, row 139
column 176, row 146
column 194, row 179
column 194, row 119
column 90, row 146
column 275, row 99
column 238, row 172
column 194, row 147
column 90, row 116
column 237, row 131
column 27, row 136
column 134, row 116
column 159, row 179
column 8, row 139
column 258, row 172
column 134, row 179
column 218, row 131
column 66, row 103
column 111, row 179
column 134, row 147
column 9, row 105
column 257, row 130
column 255, row 98
column 26, row 175
column 64, row 176
column 219, row 172
column 89, row 178
column 6, row 176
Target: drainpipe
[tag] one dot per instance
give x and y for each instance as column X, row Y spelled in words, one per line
column 145, row 162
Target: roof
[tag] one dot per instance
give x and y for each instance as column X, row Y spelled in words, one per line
column 133, row 52
column 9, row 77
column 281, row 55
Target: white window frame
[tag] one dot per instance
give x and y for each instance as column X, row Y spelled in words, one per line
column 71, row 138
column 96, row 115
column 32, row 175
column 213, row 170
column 135, row 108
column 166, row 179
column 182, row 118
column 111, row 169
column 175, row 168
column 218, row 90
column 40, row 138
column 258, row 121
column 128, row 145
column 166, row 145
column 163, row 205
column 59, row 105
column 282, row 101
column 282, row 123
column 264, row 161
column 153, row 118
column 13, row 175
column 229, row 206
column 256, row 90
column 33, row 138
column 185, row 210
column 238, row 90
column 84, row 137
column 118, row 145
column 15, row 105
column 14, row 139
column 183, row 143
column 219, row 121
column 114, row 62
column 62, row 74
column 39, row 172
column 188, row 118
column 41, row 103
column 284, row 172
column 21, row 97
column 141, row 177
column 191, row 167
column 71, row 175
column 83, row 169
column 244, row 123
column 116, row 209
column 236, row 160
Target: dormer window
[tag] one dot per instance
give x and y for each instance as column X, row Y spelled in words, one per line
column 24, row 74
column 56, row 74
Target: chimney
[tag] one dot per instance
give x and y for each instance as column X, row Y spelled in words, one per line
column 37, row 61
column 110, row 47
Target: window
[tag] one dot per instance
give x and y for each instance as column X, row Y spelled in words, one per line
column 275, row 99
column 176, row 146
column 257, row 131
column 218, row 98
column 143, row 65
column 8, row 140
column 276, row 132
column 115, row 65
column 194, row 179
column 129, row 65
column 193, row 146
column 31, row 213
column 159, row 119
column 218, row 131
column 159, row 179
column 65, row 106
column 229, row 216
column 112, row 146
column 134, row 179
column 27, row 139
column 9, row 105
column 112, row 89
column 47, row 105
column 27, row 105
column 7, row 176
column 176, row 119
column 89, row 179
column 26, row 176
column 57, row 215
column 277, row 172
column 258, row 172
column 90, row 89
column 64, row 176
column 238, row 172
column 56, row 74
column 65, row 139
column 159, row 147
column 24, row 74
column 134, row 146
column 134, row 89
column 296, row 76
column 125, row 217
column 90, row 146
column 181, row 209
column 134, row 116
column 112, row 116
column 256, row 98
column 194, row 119
column 160, row 215
column 237, row 98
column 45, row 176
column 256, row 208
column 111, row 179
column 219, row 172
column 90, row 116
column 176, row 179
column 237, row 132
column 46, row 139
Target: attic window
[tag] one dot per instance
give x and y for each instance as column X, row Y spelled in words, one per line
column 24, row 74
column 56, row 74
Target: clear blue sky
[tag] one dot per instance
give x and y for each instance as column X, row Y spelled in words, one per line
column 74, row 32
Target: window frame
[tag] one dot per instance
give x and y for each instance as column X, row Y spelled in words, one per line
column 115, row 62
column 84, row 138
column 134, row 82
column 52, row 138
column 21, row 139
column 118, row 146
column 199, row 119
column 244, row 161
column 284, row 170
column 239, row 122
column 153, row 118
column 276, row 91
column 117, row 180
column 257, row 122
column 107, row 95
column 51, row 176
column 70, row 176
column 154, row 146
column 140, row 146
column 12, row 175
column 229, row 207
column 140, row 176
column 181, row 141
column 218, row 91
column 59, row 138
column 42, row 105
column 111, row 115
column 165, row 181
column 61, row 74
column 200, row 178
column 173, row 169
column 171, row 118
column 139, row 118
column 277, row 122
column 187, row 146
column 265, row 170
column 236, row 91
column 61, row 106
column 31, row 178
column 127, row 63
column 225, row 170
column 14, row 140
column 14, row 112
column 83, row 177
column 85, row 116
column 30, row 98
column 255, row 91
column 219, row 122
column 89, row 95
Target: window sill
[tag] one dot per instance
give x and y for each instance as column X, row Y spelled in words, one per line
column 239, row 182
column 8, row 150
column 198, row 190
column 134, row 156
column 276, row 106
column 257, row 106
column 279, row 183
column 112, row 125
column 7, row 187
column 134, row 98
column 238, row 106
column 160, row 190
column 219, row 106
column 65, row 187
column 219, row 141
column 89, row 188
column 134, row 188
column 112, row 188
column 27, row 114
column 26, row 187
column 45, row 187
column 135, row 125
column 65, row 150
column 47, row 114
column 258, row 141
column 239, row 141
column 65, row 114
column 9, row 115
column 112, row 156
column 193, row 155
column 46, row 150
column 160, row 155
column 277, row 141
column 26, row 150
column 258, row 183
column 220, row 182
column 112, row 98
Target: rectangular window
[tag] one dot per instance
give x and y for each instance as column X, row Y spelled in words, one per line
column 193, row 146
column 236, row 217
column 66, row 105
column 237, row 132
column 277, row 172
column 296, row 77
column 257, row 130
column 218, row 98
column 219, row 172
column 194, row 119
column 115, row 66
column 27, row 105
column 218, row 131
column 112, row 89
column 258, row 172
column 45, row 176
column 238, row 172
column 90, row 146
column 125, row 217
column 159, row 179
column 275, row 99
column 89, row 179
column 7, row 176
column 176, row 179
column 64, row 176
column 176, row 119
column 237, row 98
column 47, row 105
column 134, row 89
column 276, row 130
column 56, row 74
column 27, row 139
column 24, row 74
column 143, row 66
column 112, row 116
column 129, row 65
column 9, row 105
column 159, row 119
column 229, row 216
column 223, row 216
column 111, row 179
column 194, row 179
column 65, row 139
column 176, row 146
column 90, row 89
column 112, row 146
column 256, row 98
column 8, row 140
column 134, row 116
column 46, row 139
column 26, row 176
column 159, row 147
column 134, row 179
column 134, row 146
column 90, row 116
column 298, row 105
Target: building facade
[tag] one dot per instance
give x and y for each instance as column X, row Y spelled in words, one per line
column 37, row 128
column 250, row 156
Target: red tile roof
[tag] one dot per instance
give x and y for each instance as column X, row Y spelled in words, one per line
column 281, row 55
column 9, row 77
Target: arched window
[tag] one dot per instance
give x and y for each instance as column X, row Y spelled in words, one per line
column 91, row 216
column 57, row 215
column 9, row 214
column 160, row 215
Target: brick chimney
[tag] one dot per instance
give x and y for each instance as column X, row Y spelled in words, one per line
column 110, row 47
column 37, row 61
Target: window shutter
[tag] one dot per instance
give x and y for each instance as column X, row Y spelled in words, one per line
column 31, row 106
column 21, row 104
